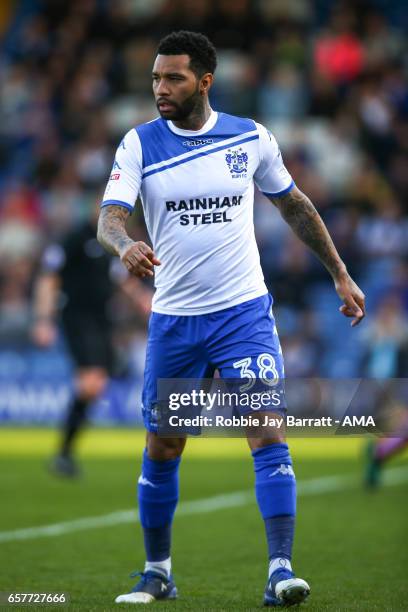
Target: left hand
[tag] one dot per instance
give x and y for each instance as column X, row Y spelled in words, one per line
column 353, row 298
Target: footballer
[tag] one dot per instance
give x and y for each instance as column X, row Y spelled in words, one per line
column 194, row 169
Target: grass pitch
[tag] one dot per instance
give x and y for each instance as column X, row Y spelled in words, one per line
column 351, row 545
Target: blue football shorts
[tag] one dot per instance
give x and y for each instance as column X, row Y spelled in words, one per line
column 239, row 342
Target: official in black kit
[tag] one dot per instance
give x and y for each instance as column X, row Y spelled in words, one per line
column 76, row 285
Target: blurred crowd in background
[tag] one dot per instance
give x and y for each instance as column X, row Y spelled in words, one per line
column 329, row 79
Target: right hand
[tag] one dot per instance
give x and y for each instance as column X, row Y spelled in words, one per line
column 139, row 259
column 44, row 333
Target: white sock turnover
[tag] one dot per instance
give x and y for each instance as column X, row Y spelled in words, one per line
column 279, row 563
column 162, row 566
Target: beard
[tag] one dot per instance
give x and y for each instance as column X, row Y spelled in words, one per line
column 184, row 109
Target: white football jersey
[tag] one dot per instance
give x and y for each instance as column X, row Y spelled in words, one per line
column 197, row 192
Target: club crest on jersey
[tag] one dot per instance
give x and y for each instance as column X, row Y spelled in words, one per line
column 237, row 162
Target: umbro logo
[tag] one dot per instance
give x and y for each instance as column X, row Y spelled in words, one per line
column 285, row 470
column 143, row 481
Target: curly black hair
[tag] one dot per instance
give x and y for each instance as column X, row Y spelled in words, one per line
column 203, row 56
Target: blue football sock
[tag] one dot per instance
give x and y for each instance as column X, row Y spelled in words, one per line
column 275, row 488
column 158, row 496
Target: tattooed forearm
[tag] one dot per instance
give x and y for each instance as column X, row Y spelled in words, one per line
column 112, row 234
column 299, row 212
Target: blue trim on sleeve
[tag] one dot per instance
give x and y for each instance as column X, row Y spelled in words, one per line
column 280, row 193
column 202, row 154
column 117, row 203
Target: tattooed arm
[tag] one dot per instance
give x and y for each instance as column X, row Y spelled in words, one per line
column 138, row 257
column 298, row 211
